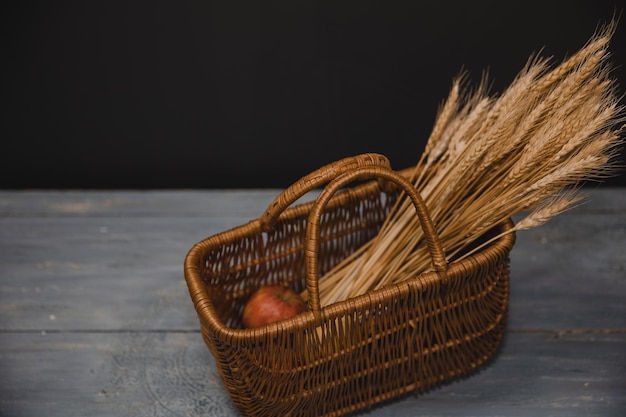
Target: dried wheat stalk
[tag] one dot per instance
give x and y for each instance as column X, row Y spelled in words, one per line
column 491, row 157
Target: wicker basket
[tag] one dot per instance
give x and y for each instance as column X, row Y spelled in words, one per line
column 348, row 356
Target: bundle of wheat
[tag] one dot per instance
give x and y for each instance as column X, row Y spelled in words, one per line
column 489, row 158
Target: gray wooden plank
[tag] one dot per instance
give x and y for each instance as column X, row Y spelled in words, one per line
column 570, row 273
column 108, row 374
column 149, row 203
column 246, row 203
column 602, row 200
column 116, row 272
column 98, row 273
column 173, row 374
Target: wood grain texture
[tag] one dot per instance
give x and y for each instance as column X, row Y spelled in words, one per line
column 172, row 374
column 95, row 318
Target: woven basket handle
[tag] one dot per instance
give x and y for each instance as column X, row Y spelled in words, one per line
column 316, row 179
column 312, row 233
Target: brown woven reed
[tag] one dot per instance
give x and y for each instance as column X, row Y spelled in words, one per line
column 351, row 355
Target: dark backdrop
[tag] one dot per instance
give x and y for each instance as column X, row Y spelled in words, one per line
column 186, row 94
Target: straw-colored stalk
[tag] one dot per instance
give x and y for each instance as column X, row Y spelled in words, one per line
column 490, row 158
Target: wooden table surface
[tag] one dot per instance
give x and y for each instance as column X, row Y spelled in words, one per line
column 95, row 318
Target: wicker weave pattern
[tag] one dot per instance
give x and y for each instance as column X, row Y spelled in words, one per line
column 356, row 353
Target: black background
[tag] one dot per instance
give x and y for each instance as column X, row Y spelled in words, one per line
column 200, row 94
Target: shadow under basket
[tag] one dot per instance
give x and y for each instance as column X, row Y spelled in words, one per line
column 351, row 355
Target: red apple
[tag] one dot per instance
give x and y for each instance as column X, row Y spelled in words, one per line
column 271, row 303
